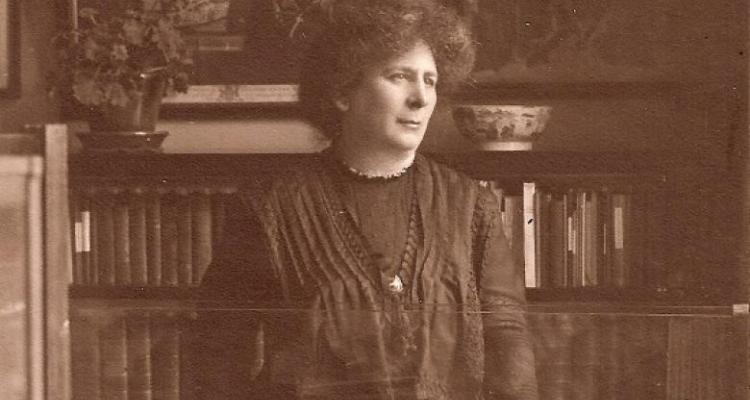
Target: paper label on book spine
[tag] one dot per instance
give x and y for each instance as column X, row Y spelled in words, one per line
column 78, row 236
column 618, row 228
column 86, row 231
column 571, row 237
column 741, row 308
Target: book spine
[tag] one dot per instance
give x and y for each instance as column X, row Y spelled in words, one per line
column 573, row 272
column 591, row 238
column 77, row 227
column 529, row 235
column 184, row 240
column 544, row 242
column 610, row 380
column 138, row 244
column 553, row 335
column 85, row 359
column 86, row 240
column 218, row 217
column 585, row 359
column 169, row 242
column 620, row 264
column 153, row 239
column 605, row 238
column 201, row 233
column 138, row 356
column 122, row 239
column 92, row 270
column 114, row 362
column 557, row 241
column 165, row 356
column 105, row 238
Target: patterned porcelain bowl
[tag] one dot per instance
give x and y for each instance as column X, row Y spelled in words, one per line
column 501, row 127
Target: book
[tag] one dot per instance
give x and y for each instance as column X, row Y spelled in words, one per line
column 138, row 355
column 137, row 239
column 218, row 217
column 585, row 358
column 121, row 218
column 620, row 253
column 92, row 267
column 77, row 227
column 605, row 238
column 542, row 204
column 113, row 349
column 105, row 238
column 644, row 356
column 557, row 241
column 86, row 239
column 184, row 217
column 169, row 242
column 529, row 235
column 165, row 356
column 200, row 203
column 85, row 359
column 153, row 239
column 553, row 337
column 611, row 383
column 590, row 239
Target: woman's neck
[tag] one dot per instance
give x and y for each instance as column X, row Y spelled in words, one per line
column 372, row 164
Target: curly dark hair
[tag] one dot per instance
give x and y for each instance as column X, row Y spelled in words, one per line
column 359, row 34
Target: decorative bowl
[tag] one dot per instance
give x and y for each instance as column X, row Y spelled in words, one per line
column 501, row 127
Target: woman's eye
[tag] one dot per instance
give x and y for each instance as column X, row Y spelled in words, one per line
column 398, row 76
column 430, row 82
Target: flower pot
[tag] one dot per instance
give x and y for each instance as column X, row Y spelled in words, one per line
column 138, row 115
column 131, row 127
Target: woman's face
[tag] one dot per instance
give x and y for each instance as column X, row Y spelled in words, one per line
column 391, row 106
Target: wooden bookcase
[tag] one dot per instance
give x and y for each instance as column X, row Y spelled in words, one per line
column 592, row 342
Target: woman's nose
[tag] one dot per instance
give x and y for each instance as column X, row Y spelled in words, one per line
column 418, row 96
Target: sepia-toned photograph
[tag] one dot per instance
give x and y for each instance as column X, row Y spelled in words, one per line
column 374, row 200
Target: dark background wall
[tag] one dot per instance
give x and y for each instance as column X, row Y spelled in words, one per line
column 38, row 21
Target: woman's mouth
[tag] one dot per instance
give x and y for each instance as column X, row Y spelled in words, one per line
column 411, row 123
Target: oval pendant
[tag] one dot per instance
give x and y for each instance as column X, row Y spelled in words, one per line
column 396, row 286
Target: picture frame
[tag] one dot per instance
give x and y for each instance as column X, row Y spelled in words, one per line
column 241, row 51
column 245, row 53
column 9, row 50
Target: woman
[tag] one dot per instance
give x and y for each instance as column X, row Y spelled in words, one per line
column 406, row 286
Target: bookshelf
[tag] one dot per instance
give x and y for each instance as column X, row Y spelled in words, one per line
column 121, row 195
column 639, row 338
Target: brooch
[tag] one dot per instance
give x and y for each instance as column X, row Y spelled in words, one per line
column 396, row 286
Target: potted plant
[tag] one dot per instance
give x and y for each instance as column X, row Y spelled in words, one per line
column 118, row 63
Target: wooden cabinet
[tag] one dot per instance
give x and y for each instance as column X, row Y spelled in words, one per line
column 153, row 220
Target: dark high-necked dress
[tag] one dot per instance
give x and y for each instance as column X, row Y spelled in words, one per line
column 329, row 285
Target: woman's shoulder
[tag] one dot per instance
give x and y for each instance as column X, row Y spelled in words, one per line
column 441, row 171
column 486, row 198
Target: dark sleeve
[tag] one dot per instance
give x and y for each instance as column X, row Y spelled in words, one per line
column 509, row 360
column 240, row 270
column 228, row 347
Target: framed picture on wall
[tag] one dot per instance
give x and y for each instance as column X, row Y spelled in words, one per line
column 9, row 51
column 603, row 47
column 245, row 52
